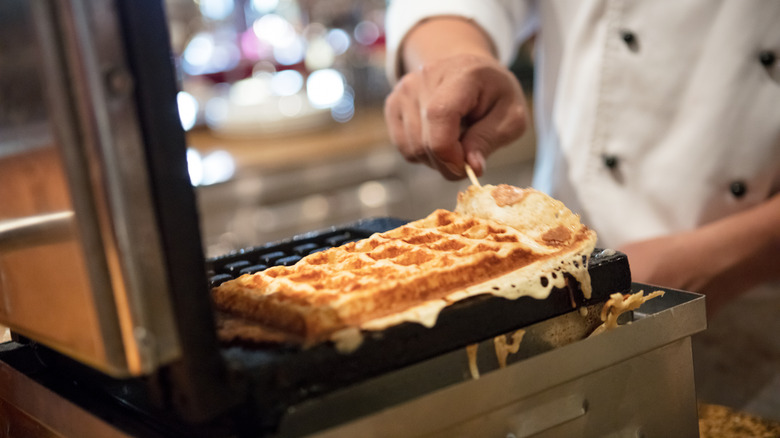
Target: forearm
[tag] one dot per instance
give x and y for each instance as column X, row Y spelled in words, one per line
column 722, row 259
column 741, row 250
column 440, row 37
column 505, row 21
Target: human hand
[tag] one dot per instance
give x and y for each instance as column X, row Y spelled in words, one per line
column 721, row 259
column 663, row 261
column 455, row 110
column 687, row 261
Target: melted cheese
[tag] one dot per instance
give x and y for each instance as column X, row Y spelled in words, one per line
column 506, row 347
column 619, row 304
column 543, row 223
column 348, row 339
column 471, row 352
column 425, row 314
column 535, row 280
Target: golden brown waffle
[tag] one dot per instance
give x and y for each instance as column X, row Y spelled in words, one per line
column 429, row 259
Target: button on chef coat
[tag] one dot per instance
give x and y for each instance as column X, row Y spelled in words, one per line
column 680, row 96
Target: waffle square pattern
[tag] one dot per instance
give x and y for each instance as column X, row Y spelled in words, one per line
column 442, row 258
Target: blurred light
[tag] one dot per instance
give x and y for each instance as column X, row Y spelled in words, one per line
column 216, row 110
column 325, row 88
column 314, row 30
column 216, row 9
column 263, row 69
column 290, row 54
column 319, row 55
column 275, row 30
column 366, row 33
column 250, row 91
column 372, row 194
column 194, row 166
column 338, row 40
column 315, row 208
column 199, row 50
column 188, row 109
column 344, row 110
column 253, row 48
column 290, row 106
column 217, row 167
column 286, row 83
column 264, row 6
column 204, row 54
column 226, row 57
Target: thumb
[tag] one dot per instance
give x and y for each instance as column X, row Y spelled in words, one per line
column 504, row 123
column 477, row 146
column 476, row 160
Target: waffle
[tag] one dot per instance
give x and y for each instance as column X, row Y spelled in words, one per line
column 543, row 221
column 445, row 257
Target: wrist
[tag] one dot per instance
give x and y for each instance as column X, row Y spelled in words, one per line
column 442, row 37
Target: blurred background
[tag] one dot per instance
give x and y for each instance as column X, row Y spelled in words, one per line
column 282, row 103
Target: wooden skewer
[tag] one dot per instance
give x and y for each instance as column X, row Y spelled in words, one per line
column 472, row 176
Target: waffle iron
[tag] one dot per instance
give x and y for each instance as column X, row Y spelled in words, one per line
column 116, row 123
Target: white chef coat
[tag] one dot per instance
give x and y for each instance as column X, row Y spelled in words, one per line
column 652, row 116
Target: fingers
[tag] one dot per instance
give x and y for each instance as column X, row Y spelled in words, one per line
column 497, row 129
column 504, row 122
column 395, row 121
column 455, row 112
column 476, row 159
column 442, row 126
column 403, row 122
column 426, row 128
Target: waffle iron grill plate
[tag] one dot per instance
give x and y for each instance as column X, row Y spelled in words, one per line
column 284, row 374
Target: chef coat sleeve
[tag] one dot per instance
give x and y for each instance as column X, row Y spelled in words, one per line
column 507, row 22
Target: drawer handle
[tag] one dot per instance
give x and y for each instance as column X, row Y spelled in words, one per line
column 546, row 416
column 35, row 230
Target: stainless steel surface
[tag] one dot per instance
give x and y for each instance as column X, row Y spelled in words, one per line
column 71, row 145
column 651, row 394
column 636, row 380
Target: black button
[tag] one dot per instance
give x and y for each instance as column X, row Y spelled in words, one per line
column 628, row 37
column 611, row 161
column 218, row 279
column 233, row 268
column 271, row 257
column 738, row 189
column 767, row 58
column 288, row 261
column 339, row 239
column 252, row 269
column 305, row 248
